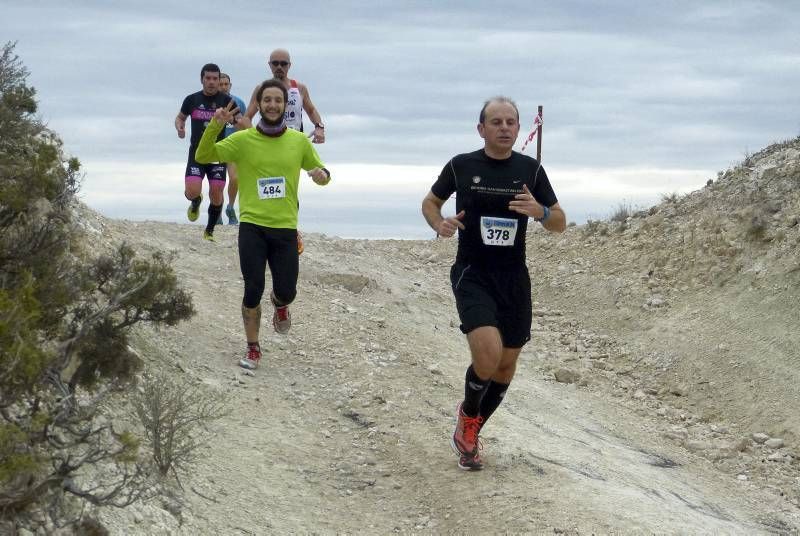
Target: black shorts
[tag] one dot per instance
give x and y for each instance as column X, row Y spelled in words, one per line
column 260, row 247
column 502, row 299
column 195, row 171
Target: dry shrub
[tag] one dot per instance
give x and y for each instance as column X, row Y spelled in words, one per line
column 622, row 213
column 175, row 415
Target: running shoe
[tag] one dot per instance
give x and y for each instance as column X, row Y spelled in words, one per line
column 281, row 318
column 470, row 462
column 465, row 440
column 193, row 212
column 300, row 245
column 208, row 236
column 230, row 212
column 253, row 357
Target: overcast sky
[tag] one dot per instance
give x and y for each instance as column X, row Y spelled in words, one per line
column 640, row 99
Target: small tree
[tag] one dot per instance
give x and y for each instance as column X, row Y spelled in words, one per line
column 63, row 326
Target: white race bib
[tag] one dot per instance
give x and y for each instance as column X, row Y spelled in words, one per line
column 271, row 187
column 498, row 231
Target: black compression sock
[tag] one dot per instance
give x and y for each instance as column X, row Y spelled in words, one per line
column 474, row 389
column 213, row 215
column 492, row 399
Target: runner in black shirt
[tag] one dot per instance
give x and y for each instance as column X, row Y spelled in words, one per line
column 200, row 107
column 497, row 190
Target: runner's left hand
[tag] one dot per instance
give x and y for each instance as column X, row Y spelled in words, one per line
column 524, row 203
column 319, row 176
column 318, row 136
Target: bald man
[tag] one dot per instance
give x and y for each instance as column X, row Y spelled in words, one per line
column 299, row 99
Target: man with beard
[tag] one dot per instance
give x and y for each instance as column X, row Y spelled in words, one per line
column 268, row 158
column 200, row 107
column 298, row 101
column 497, row 190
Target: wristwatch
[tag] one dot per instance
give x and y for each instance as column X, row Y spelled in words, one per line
column 319, row 125
column 545, row 215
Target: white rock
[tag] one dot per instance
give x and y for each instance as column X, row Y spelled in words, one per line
column 564, row 375
column 696, row 446
column 774, row 443
column 760, row 438
column 743, row 478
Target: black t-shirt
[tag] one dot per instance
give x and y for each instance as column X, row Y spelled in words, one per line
column 493, row 234
column 200, row 107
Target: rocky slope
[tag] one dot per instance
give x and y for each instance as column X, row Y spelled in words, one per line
column 659, row 392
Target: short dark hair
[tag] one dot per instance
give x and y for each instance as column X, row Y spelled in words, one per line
column 224, row 75
column 209, row 68
column 273, row 82
column 500, row 98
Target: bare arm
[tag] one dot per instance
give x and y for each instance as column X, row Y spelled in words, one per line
column 180, row 124
column 432, row 211
column 313, row 114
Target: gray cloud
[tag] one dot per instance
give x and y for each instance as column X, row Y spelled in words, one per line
column 624, row 84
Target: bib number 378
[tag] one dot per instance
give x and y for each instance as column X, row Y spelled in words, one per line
column 498, row 231
column 271, row 187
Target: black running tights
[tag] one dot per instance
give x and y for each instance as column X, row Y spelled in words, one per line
column 259, row 246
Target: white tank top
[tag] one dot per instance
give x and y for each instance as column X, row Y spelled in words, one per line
column 294, row 108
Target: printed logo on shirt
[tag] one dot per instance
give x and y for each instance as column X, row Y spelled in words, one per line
column 202, row 115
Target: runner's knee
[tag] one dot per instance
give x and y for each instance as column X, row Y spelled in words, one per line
column 253, row 292
column 285, row 294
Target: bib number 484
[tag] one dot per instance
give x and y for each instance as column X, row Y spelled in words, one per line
column 271, row 190
column 271, row 187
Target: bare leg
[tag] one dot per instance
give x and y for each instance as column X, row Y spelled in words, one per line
column 251, row 318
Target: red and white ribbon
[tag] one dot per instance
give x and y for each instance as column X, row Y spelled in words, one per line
column 537, row 122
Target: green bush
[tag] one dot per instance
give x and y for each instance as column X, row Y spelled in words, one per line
column 64, row 325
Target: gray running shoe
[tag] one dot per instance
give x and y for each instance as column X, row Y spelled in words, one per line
column 282, row 319
column 230, row 212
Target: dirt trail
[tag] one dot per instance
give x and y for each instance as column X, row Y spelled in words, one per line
column 345, row 426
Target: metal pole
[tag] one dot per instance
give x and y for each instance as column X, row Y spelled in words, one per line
column 539, row 138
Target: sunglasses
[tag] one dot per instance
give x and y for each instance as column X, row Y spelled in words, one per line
column 275, row 63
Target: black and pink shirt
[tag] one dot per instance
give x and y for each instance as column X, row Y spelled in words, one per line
column 200, row 108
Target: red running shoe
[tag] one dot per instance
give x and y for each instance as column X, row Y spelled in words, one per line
column 465, row 440
column 253, row 357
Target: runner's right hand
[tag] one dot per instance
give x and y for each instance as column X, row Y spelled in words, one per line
column 227, row 114
column 448, row 226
